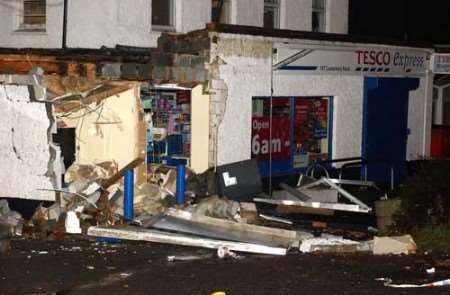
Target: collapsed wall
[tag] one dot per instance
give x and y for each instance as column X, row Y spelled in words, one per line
column 29, row 161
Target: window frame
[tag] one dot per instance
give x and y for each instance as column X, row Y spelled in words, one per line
column 275, row 7
column 171, row 25
column 321, row 11
column 39, row 27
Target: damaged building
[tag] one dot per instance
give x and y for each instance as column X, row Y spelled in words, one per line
column 204, row 96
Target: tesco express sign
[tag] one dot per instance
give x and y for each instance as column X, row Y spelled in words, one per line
column 388, row 58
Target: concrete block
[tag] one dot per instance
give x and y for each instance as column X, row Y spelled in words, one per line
column 129, row 71
column 111, row 70
column 162, row 59
column 145, row 71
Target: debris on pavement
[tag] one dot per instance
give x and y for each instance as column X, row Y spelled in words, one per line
column 328, row 243
column 224, row 252
column 394, row 245
column 10, row 219
column 388, row 283
column 173, row 258
column 139, row 234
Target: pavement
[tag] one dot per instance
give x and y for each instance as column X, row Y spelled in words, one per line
column 82, row 266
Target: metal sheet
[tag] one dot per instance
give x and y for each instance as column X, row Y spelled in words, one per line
column 316, row 205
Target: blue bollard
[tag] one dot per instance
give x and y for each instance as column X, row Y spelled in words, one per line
column 180, row 184
column 128, row 197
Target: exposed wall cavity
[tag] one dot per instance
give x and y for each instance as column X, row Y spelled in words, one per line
column 29, row 161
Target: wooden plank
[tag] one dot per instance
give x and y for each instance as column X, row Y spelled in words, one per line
column 138, row 234
column 238, row 231
column 116, row 177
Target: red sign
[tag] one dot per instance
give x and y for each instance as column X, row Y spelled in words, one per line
column 280, row 143
column 183, row 96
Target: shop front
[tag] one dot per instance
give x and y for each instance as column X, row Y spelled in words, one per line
column 293, row 102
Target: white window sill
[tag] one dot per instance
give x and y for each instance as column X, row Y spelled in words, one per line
column 29, row 31
column 156, row 28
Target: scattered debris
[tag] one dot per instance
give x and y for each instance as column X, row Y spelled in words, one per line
column 276, row 219
column 431, row 270
column 173, row 258
column 388, row 283
column 12, row 221
column 72, row 223
column 394, row 245
column 328, row 243
column 219, row 208
column 192, row 223
column 224, row 252
column 135, row 233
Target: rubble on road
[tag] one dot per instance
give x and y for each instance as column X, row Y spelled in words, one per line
column 394, row 245
column 93, row 203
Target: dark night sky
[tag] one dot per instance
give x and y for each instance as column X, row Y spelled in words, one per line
column 411, row 20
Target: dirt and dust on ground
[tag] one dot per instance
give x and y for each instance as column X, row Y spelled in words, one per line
column 82, row 266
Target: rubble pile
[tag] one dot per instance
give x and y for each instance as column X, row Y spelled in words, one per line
column 92, row 203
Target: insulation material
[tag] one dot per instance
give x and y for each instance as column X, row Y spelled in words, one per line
column 28, row 159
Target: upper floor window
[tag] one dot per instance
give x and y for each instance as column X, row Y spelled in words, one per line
column 162, row 14
column 271, row 14
column 318, row 15
column 34, row 14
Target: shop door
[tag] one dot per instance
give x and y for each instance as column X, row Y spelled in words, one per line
column 385, row 127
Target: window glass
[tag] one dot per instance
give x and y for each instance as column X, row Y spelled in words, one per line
column 271, row 14
column 162, row 12
column 318, row 16
column 34, row 13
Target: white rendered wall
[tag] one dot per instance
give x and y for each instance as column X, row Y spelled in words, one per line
column 337, row 16
column 296, row 15
column 25, row 156
column 248, row 12
column 419, row 120
column 246, row 73
column 10, row 18
column 94, row 23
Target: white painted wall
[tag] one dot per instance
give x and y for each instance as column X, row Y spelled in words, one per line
column 248, row 12
column 337, row 16
column 10, row 19
column 24, row 148
column 419, row 120
column 296, row 15
column 96, row 23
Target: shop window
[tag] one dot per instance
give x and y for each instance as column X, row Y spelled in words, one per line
column 34, row 14
column 162, row 14
column 271, row 14
column 168, row 118
column 296, row 135
column 318, row 15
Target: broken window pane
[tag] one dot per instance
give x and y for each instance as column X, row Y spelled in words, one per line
column 34, row 12
column 162, row 12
